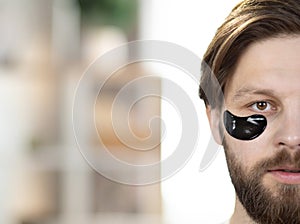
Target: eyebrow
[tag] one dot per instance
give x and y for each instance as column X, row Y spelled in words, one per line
column 245, row 91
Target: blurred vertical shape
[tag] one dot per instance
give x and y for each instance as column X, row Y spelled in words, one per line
column 65, row 50
column 24, row 97
column 74, row 188
column 145, row 18
column 65, row 32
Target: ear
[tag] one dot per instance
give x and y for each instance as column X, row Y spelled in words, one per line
column 214, row 119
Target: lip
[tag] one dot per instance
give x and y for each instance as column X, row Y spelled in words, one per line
column 286, row 174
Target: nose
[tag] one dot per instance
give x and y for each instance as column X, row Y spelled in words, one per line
column 288, row 131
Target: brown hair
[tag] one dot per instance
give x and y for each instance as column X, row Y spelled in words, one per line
column 250, row 21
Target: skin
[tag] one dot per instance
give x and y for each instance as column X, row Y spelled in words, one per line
column 266, row 81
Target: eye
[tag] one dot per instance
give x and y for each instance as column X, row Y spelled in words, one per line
column 261, row 106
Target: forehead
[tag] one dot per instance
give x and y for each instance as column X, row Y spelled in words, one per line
column 272, row 64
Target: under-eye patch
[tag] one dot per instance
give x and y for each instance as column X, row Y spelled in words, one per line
column 244, row 128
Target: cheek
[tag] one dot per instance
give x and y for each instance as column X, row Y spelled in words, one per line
column 248, row 153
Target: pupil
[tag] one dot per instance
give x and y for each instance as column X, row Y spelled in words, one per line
column 262, row 105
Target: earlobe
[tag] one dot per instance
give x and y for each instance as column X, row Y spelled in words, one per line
column 214, row 119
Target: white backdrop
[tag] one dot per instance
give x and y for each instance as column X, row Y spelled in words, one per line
column 190, row 196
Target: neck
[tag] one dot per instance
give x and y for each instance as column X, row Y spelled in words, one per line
column 240, row 215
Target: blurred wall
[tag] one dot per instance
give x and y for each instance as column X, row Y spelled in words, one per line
column 45, row 47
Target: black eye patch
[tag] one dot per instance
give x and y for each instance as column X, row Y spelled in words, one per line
column 244, row 128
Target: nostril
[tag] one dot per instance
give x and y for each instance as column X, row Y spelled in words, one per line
column 285, row 145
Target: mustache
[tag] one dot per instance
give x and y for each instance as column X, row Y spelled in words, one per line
column 282, row 158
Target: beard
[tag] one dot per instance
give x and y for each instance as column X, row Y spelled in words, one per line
column 276, row 205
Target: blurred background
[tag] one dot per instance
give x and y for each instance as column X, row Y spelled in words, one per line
column 45, row 47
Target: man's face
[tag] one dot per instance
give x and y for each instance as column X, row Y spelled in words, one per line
column 266, row 171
